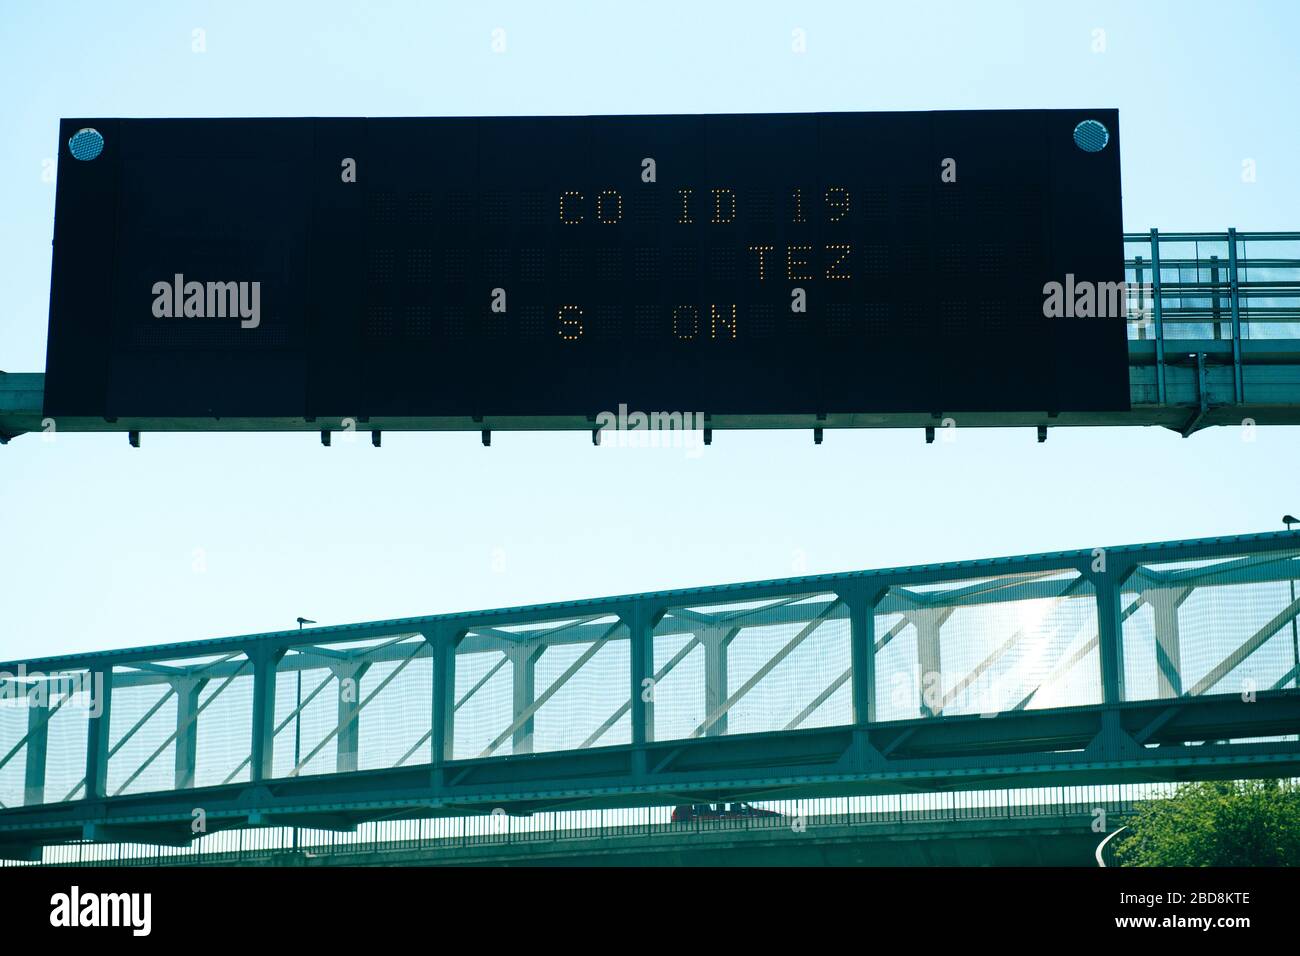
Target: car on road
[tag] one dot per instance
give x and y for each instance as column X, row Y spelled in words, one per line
column 691, row 812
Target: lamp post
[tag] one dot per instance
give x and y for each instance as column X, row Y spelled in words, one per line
column 1289, row 520
column 298, row 709
column 298, row 716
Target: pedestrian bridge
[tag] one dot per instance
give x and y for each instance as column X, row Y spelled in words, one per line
column 1139, row 663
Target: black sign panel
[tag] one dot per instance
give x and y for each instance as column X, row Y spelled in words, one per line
column 770, row 264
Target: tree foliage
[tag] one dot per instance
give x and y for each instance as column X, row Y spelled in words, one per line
column 1217, row 823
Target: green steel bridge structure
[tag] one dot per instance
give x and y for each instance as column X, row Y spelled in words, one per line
column 1123, row 665
column 1214, row 339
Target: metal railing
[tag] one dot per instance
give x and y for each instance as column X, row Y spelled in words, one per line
column 1216, row 286
column 435, row 837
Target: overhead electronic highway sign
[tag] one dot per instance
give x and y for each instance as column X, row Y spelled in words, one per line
column 754, row 265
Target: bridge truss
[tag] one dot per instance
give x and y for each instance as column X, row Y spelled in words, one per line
column 1139, row 663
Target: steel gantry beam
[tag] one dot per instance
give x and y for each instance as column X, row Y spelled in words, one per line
column 1170, row 661
column 1190, row 364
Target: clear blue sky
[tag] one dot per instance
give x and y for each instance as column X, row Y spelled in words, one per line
column 199, row 535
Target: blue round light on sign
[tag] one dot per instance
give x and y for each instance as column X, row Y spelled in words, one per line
column 1091, row 136
column 86, row 144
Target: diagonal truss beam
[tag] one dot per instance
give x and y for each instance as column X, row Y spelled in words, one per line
column 19, row 746
column 1248, row 647
column 696, row 617
column 283, row 724
column 623, row 709
column 1064, row 666
column 742, row 617
column 416, row 746
column 1292, row 674
column 534, row 635
column 41, row 729
column 331, row 656
column 355, row 712
column 112, row 751
column 483, row 680
column 1151, row 577
column 820, row 699
column 982, row 588
column 892, row 633
column 181, row 727
column 1253, row 569
column 1046, row 584
column 523, row 716
column 767, row 668
column 171, row 689
column 155, row 668
column 960, row 687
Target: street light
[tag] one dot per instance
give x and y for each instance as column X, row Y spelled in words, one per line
column 1289, row 520
column 298, row 716
column 298, row 712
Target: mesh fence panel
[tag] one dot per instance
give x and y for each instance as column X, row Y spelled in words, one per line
column 589, row 706
column 395, row 723
column 898, row 675
column 13, row 751
column 678, row 690
column 353, row 706
column 225, row 729
column 65, row 753
column 809, row 687
column 552, row 685
column 748, row 667
column 484, row 702
column 987, row 645
column 56, row 707
column 141, row 738
column 1225, row 626
column 306, row 711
